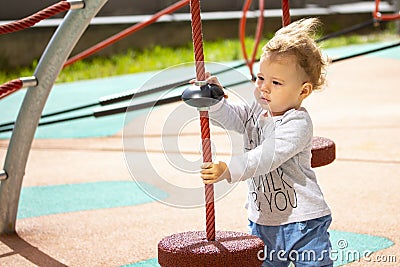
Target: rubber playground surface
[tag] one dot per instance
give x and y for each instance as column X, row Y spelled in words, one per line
column 89, row 196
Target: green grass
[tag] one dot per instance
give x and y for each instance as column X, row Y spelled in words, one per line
column 157, row 57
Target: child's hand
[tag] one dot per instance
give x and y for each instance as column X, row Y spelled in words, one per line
column 210, row 79
column 213, row 80
column 215, row 172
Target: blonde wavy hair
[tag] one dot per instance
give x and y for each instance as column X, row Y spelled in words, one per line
column 298, row 39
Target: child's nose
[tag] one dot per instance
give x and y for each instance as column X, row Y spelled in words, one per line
column 261, row 85
column 265, row 88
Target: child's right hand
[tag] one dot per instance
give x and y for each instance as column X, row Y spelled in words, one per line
column 215, row 172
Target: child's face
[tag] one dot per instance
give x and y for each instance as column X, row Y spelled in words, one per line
column 281, row 84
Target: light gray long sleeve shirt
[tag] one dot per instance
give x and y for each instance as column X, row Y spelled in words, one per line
column 276, row 163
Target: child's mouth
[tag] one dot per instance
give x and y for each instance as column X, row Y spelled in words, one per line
column 265, row 99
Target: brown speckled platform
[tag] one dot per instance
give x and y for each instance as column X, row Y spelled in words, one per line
column 323, row 151
column 191, row 249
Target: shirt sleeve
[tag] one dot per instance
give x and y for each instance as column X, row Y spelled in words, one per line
column 283, row 140
column 230, row 116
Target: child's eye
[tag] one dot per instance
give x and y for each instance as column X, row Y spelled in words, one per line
column 260, row 78
column 276, row 83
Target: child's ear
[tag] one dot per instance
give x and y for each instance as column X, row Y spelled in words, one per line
column 306, row 90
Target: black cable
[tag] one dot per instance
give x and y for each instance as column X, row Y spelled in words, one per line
column 110, row 111
column 9, row 129
column 107, row 100
column 366, row 52
column 122, row 108
column 11, row 123
column 126, row 108
column 347, row 30
column 129, row 94
column 112, row 99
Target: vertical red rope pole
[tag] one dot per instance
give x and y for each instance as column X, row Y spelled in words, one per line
column 285, row 13
column 197, row 37
column 209, row 188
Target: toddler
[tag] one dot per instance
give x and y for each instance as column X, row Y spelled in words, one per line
column 286, row 207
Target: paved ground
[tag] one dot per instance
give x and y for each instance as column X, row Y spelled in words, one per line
column 359, row 111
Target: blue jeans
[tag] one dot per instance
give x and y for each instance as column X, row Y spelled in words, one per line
column 303, row 243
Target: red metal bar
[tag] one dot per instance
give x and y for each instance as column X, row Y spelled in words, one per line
column 260, row 25
column 377, row 15
column 125, row 33
column 242, row 34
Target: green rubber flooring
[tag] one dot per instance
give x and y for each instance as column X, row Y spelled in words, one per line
column 46, row 200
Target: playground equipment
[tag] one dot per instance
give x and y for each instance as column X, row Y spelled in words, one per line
column 53, row 60
column 56, row 53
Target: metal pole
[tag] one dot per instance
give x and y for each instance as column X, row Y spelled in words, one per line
column 50, row 65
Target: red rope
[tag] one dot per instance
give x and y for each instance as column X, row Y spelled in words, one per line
column 242, row 34
column 209, row 188
column 377, row 15
column 285, row 13
column 10, row 87
column 35, row 18
column 125, row 33
column 197, row 37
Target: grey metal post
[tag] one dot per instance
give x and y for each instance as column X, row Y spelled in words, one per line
column 50, row 65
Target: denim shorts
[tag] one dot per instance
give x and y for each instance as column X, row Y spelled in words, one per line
column 303, row 243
